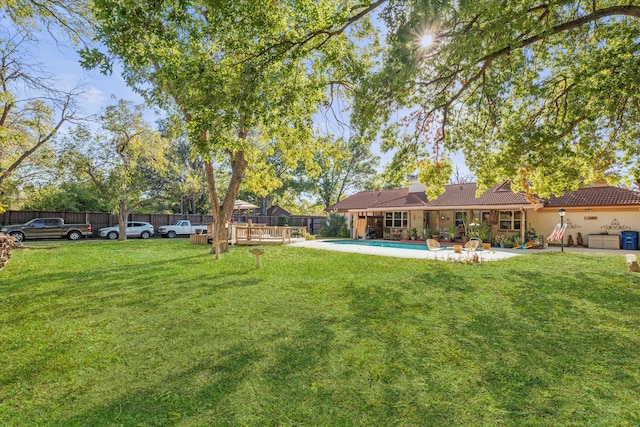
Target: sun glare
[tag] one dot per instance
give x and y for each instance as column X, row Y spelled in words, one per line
column 426, row 40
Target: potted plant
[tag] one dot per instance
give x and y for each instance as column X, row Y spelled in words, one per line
column 426, row 233
column 531, row 233
column 484, row 234
column 514, row 241
column 452, row 232
column 413, row 234
column 406, row 235
column 500, row 239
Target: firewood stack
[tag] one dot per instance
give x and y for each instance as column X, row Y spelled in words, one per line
column 7, row 244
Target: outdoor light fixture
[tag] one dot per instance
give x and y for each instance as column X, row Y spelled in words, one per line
column 562, row 213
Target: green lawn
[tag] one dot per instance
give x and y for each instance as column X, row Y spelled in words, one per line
column 159, row 333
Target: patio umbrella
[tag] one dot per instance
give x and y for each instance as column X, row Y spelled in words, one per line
column 242, row 205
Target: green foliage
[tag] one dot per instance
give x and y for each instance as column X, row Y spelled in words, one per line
column 124, row 161
column 452, row 232
column 434, row 175
column 67, row 21
column 70, row 196
column 514, row 240
column 157, row 332
column 543, row 95
column 343, row 167
column 32, row 108
column 247, row 93
column 287, row 220
column 335, row 226
column 484, row 231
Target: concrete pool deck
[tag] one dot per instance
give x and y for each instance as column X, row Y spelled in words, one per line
column 493, row 254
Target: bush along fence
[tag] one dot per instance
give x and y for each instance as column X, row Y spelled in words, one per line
column 100, row 220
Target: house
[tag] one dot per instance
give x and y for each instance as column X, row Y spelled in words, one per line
column 594, row 210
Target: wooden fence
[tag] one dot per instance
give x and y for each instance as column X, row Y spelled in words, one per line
column 100, row 220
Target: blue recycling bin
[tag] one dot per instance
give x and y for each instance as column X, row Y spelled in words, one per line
column 629, row 240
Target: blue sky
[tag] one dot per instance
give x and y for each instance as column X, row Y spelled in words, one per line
column 98, row 91
column 98, row 88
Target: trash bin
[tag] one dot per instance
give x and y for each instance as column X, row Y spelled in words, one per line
column 629, row 240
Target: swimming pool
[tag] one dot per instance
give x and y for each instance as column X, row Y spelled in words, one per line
column 417, row 246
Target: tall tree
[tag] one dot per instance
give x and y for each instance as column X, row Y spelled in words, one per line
column 345, row 165
column 240, row 73
column 69, row 22
column 543, row 94
column 122, row 161
column 32, row 105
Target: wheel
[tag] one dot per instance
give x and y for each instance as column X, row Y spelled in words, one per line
column 171, row 234
column 17, row 235
column 112, row 235
column 145, row 235
column 74, row 235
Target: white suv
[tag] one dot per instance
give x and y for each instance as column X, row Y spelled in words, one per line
column 144, row 230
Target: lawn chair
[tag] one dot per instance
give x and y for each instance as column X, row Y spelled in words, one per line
column 470, row 247
column 478, row 247
column 434, row 246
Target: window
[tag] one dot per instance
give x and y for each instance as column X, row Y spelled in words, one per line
column 396, row 219
column 510, row 220
column 460, row 218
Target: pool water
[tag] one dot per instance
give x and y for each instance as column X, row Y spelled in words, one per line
column 418, row 246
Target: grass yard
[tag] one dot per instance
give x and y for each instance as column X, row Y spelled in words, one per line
column 157, row 332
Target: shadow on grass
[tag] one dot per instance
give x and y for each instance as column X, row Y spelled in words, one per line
column 201, row 389
column 274, row 377
column 144, row 284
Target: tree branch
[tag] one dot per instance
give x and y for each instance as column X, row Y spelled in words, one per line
column 632, row 11
column 285, row 45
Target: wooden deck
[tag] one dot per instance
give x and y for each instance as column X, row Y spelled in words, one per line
column 243, row 234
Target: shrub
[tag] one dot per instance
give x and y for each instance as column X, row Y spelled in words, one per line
column 286, row 220
column 335, row 226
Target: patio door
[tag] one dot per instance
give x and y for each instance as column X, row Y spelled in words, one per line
column 375, row 223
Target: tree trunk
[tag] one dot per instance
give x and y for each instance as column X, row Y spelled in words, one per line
column 222, row 214
column 123, row 215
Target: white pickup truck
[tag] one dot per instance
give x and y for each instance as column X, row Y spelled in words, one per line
column 181, row 228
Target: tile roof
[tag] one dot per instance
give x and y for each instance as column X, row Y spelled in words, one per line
column 366, row 199
column 454, row 195
column 409, row 201
column 464, row 195
column 596, row 195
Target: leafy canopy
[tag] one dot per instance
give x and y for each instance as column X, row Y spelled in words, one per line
column 246, row 76
column 545, row 95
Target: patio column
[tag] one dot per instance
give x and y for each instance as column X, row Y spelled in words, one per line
column 354, row 230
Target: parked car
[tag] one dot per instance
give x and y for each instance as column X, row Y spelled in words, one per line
column 144, row 230
column 181, row 228
column 47, row 228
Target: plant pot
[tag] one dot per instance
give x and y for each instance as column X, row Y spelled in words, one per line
column 486, row 246
column 457, row 249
